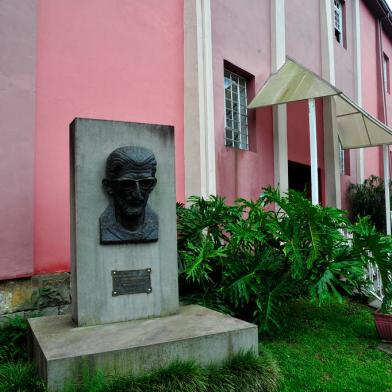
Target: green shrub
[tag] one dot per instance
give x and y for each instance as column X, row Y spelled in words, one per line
column 19, row 377
column 375, row 248
column 244, row 372
column 368, row 199
column 251, row 259
column 13, row 339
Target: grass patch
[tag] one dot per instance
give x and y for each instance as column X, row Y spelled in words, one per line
column 330, row 348
column 246, row 373
column 19, row 377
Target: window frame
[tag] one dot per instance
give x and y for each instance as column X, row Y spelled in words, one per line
column 342, row 165
column 340, row 16
column 386, row 73
column 238, row 99
column 344, row 161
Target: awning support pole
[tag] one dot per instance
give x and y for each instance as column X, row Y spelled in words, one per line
column 313, row 150
column 387, row 192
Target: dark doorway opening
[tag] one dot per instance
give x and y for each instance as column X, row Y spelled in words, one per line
column 300, row 179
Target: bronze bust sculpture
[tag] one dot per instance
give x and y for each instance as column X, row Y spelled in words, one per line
column 130, row 178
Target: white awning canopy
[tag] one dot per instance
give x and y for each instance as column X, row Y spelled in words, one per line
column 357, row 128
column 293, row 82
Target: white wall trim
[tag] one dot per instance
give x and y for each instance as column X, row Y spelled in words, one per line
column 358, row 81
column 206, row 98
column 333, row 196
column 278, row 34
column 327, row 41
column 278, row 58
column 313, row 150
column 386, row 188
column 199, row 130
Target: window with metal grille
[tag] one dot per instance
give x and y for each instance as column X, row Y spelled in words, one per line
column 339, row 21
column 236, row 115
column 386, row 73
column 341, row 160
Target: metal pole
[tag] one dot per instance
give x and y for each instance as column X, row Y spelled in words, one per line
column 386, row 185
column 313, row 150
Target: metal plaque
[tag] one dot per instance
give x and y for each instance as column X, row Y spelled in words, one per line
column 131, row 282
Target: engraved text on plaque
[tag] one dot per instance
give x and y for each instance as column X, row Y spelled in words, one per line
column 131, row 282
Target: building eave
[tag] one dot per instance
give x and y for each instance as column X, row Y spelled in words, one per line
column 381, row 10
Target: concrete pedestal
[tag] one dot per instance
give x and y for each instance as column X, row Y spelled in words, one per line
column 93, row 303
column 61, row 350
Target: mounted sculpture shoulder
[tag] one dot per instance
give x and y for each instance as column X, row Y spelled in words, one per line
column 112, row 232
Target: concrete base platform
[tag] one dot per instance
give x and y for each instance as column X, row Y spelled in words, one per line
column 61, row 350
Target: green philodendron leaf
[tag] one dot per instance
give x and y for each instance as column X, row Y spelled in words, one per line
column 257, row 255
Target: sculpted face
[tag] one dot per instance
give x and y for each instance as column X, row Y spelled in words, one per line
column 131, row 191
column 130, row 178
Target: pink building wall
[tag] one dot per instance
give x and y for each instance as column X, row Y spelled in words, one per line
column 249, row 49
column 303, row 43
column 345, row 81
column 17, row 128
column 115, row 60
column 387, row 49
column 303, row 35
column 124, row 61
column 247, row 45
column 344, row 55
column 369, row 82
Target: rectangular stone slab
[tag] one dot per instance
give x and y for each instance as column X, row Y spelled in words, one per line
column 61, row 350
column 93, row 303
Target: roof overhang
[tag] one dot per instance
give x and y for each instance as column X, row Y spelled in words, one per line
column 382, row 11
column 293, row 82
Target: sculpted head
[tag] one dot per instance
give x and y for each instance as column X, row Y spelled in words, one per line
column 130, row 178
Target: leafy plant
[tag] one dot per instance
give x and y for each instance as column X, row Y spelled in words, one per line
column 375, row 248
column 13, row 339
column 255, row 259
column 368, row 199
